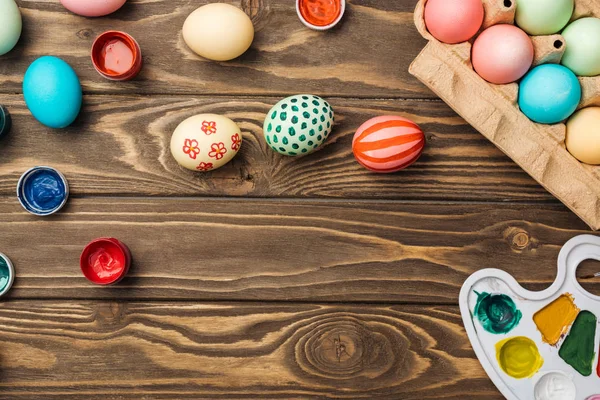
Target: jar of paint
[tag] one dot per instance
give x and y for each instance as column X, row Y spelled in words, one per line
column 42, row 191
column 116, row 56
column 105, row 261
column 320, row 14
column 7, row 274
column 5, row 121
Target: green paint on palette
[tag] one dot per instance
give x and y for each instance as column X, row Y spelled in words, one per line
column 4, row 274
column 497, row 313
column 578, row 348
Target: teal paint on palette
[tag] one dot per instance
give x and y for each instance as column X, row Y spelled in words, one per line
column 7, row 274
column 498, row 314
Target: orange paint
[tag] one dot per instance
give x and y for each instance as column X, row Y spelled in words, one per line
column 320, row 12
column 116, row 57
column 554, row 320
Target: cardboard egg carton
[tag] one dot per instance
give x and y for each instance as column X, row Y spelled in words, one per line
column 493, row 110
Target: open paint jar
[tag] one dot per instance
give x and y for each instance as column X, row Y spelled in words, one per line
column 320, row 14
column 116, row 56
column 7, row 274
column 105, row 261
column 42, row 191
column 5, row 121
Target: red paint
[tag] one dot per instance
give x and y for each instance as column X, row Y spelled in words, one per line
column 116, row 56
column 320, row 12
column 105, row 261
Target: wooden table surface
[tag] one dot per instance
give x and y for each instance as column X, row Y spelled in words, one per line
column 273, row 277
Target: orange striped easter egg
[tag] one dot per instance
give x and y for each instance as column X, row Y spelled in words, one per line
column 388, row 144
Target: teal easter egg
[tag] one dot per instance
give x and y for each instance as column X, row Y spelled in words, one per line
column 52, row 92
column 549, row 94
column 298, row 124
column 582, row 54
column 543, row 17
column 10, row 25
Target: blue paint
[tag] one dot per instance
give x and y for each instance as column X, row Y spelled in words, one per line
column 549, row 94
column 43, row 191
column 52, row 92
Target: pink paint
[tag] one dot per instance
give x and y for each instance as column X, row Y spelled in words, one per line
column 594, row 397
column 502, row 54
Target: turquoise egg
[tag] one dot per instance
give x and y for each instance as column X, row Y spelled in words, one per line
column 10, row 25
column 52, row 92
column 298, row 125
column 549, row 94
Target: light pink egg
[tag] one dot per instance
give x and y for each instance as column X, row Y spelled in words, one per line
column 93, row 8
column 453, row 21
column 502, row 54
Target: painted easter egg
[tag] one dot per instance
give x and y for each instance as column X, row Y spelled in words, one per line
column 543, row 17
column 549, row 94
column 93, row 8
column 10, row 25
column 388, row 144
column 52, row 92
column 502, row 54
column 205, row 142
column 583, row 135
column 453, row 21
column 218, row 31
column 582, row 54
column 298, row 124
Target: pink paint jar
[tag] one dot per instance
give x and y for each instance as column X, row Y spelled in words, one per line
column 105, row 261
column 116, row 56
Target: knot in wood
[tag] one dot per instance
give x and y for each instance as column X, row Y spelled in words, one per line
column 518, row 238
column 85, row 34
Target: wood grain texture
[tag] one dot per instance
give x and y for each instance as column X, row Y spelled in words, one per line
column 367, row 55
column 115, row 350
column 200, row 249
column 120, row 146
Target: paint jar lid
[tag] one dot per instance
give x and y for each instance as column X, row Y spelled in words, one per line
column 320, row 15
column 116, row 56
column 105, row 261
column 7, row 274
column 5, row 121
column 42, row 191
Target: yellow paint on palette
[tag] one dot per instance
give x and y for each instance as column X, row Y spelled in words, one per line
column 554, row 320
column 519, row 357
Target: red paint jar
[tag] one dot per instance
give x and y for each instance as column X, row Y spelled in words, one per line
column 116, row 56
column 105, row 261
column 320, row 14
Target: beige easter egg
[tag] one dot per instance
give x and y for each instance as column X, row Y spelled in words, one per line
column 218, row 31
column 205, row 142
column 583, row 135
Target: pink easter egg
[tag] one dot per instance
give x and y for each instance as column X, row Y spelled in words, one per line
column 453, row 21
column 502, row 54
column 388, row 144
column 93, row 8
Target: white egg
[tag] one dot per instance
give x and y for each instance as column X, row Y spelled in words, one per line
column 218, row 31
column 205, row 142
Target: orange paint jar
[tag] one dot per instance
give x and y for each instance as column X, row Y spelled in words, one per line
column 116, row 56
column 320, row 14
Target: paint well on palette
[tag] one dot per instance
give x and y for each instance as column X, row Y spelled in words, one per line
column 498, row 314
column 594, row 397
column 555, row 386
column 578, row 348
column 519, row 357
column 554, row 320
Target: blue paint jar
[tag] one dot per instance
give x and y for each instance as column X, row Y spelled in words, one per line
column 5, row 121
column 42, row 191
column 549, row 94
column 7, row 274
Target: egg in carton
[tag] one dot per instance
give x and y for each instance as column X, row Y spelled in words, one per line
column 494, row 111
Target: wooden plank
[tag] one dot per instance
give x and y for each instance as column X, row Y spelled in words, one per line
column 120, row 146
column 286, row 250
column 368, row 54
column 110, row 350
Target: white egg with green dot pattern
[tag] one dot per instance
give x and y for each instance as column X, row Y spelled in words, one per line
column 298, row 125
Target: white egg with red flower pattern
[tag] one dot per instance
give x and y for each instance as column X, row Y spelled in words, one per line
column 205, row 142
